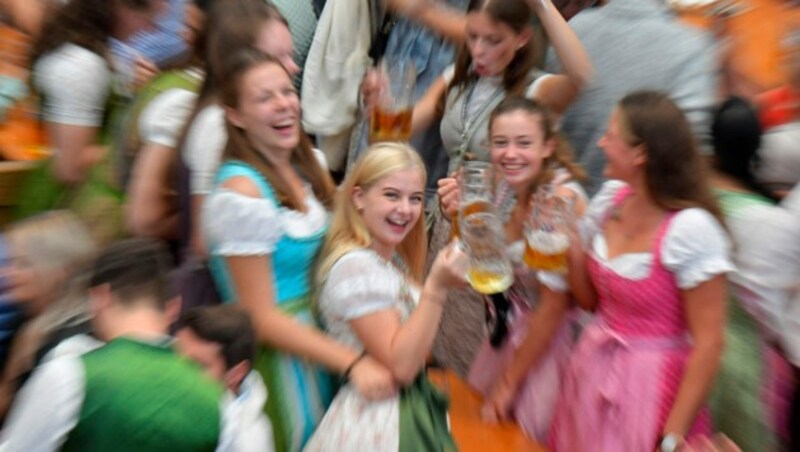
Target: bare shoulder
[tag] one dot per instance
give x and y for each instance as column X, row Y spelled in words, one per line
column 242, row 185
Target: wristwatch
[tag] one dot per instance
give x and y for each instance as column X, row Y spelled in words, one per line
column 671, row 442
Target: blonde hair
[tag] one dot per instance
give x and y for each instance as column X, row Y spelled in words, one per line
column 348, row 230
column 54, row 243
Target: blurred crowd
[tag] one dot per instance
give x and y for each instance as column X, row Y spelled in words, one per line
column 254, row 225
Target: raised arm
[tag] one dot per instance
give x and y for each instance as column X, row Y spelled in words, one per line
column 425, row 111
column 443, row 20
column 403, row 347
column 559, row 91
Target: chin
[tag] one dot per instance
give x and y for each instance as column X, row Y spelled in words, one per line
column 519, row 179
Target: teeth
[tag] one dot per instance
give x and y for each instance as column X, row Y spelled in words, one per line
column 513, row 166
column 398, row 223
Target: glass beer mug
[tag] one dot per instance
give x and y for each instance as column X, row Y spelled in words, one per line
column 490, row 269
column 475, row 188
column 547, row 231
column 391, row 117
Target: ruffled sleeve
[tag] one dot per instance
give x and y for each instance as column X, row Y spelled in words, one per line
column 239, row 225
column 205, row 142
column 696, row 248
column 163, row 119
column 557, row 282
column 597, row 210
column 359, row 284
column 75, row 84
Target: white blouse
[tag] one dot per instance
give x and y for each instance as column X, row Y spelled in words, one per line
column 75, row 83
column 695, row 247
column 240, row 225
column 163, row 119
column 767, row 260
column 361, row 283
column 202, row 151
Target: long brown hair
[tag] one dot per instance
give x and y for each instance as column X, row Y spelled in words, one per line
column 518, row 15
column 231, row 25
column 85, row 23
column 676, row 175
column 562, row 152
column 234, row 25
column 240, row 148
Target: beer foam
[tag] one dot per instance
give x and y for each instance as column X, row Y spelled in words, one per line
column 548, row 242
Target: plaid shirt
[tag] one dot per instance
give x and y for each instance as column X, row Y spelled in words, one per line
column 161, row 45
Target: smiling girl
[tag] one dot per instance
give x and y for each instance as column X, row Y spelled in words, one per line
column 265, row 222
column 521, row 378
column 373, row 298
column 496, row 60
column 653, row 270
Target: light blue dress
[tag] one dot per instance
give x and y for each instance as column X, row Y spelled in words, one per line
column 238, row 225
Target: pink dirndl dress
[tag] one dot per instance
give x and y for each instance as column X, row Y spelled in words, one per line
column 624, row 375
column 538, row 393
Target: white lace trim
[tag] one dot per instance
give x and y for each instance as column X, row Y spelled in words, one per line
column 299, row 225
column 361, row 283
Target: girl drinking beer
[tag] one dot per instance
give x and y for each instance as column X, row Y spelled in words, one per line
column 520, row 377
column 497, row 59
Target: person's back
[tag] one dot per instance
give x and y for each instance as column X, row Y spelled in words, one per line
column 134, row 393
column 142, row 396
column 635, row 45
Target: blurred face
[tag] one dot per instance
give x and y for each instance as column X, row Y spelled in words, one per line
column 269, row 108
column 622, row 159
column 519, row 147
column 276, row 41
column 131, row 20
column 492, row 45
column 207, row 354
column 390, row 208
column 27, row 283
column 193, row 21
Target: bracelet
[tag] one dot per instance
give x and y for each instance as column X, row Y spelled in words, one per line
column 346, row 374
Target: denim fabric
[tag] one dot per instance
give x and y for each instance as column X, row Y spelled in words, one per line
column 10, row 315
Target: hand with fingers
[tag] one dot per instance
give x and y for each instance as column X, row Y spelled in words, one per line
column 497, row 406
column 144, row 70
column 449, row 196
column 449, row 269
column 371, row 379
column 371, row 87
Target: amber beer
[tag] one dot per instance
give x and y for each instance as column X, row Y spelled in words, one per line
column 486, row 281
column 390, row 125
column 546, row 251
column 467, row 210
